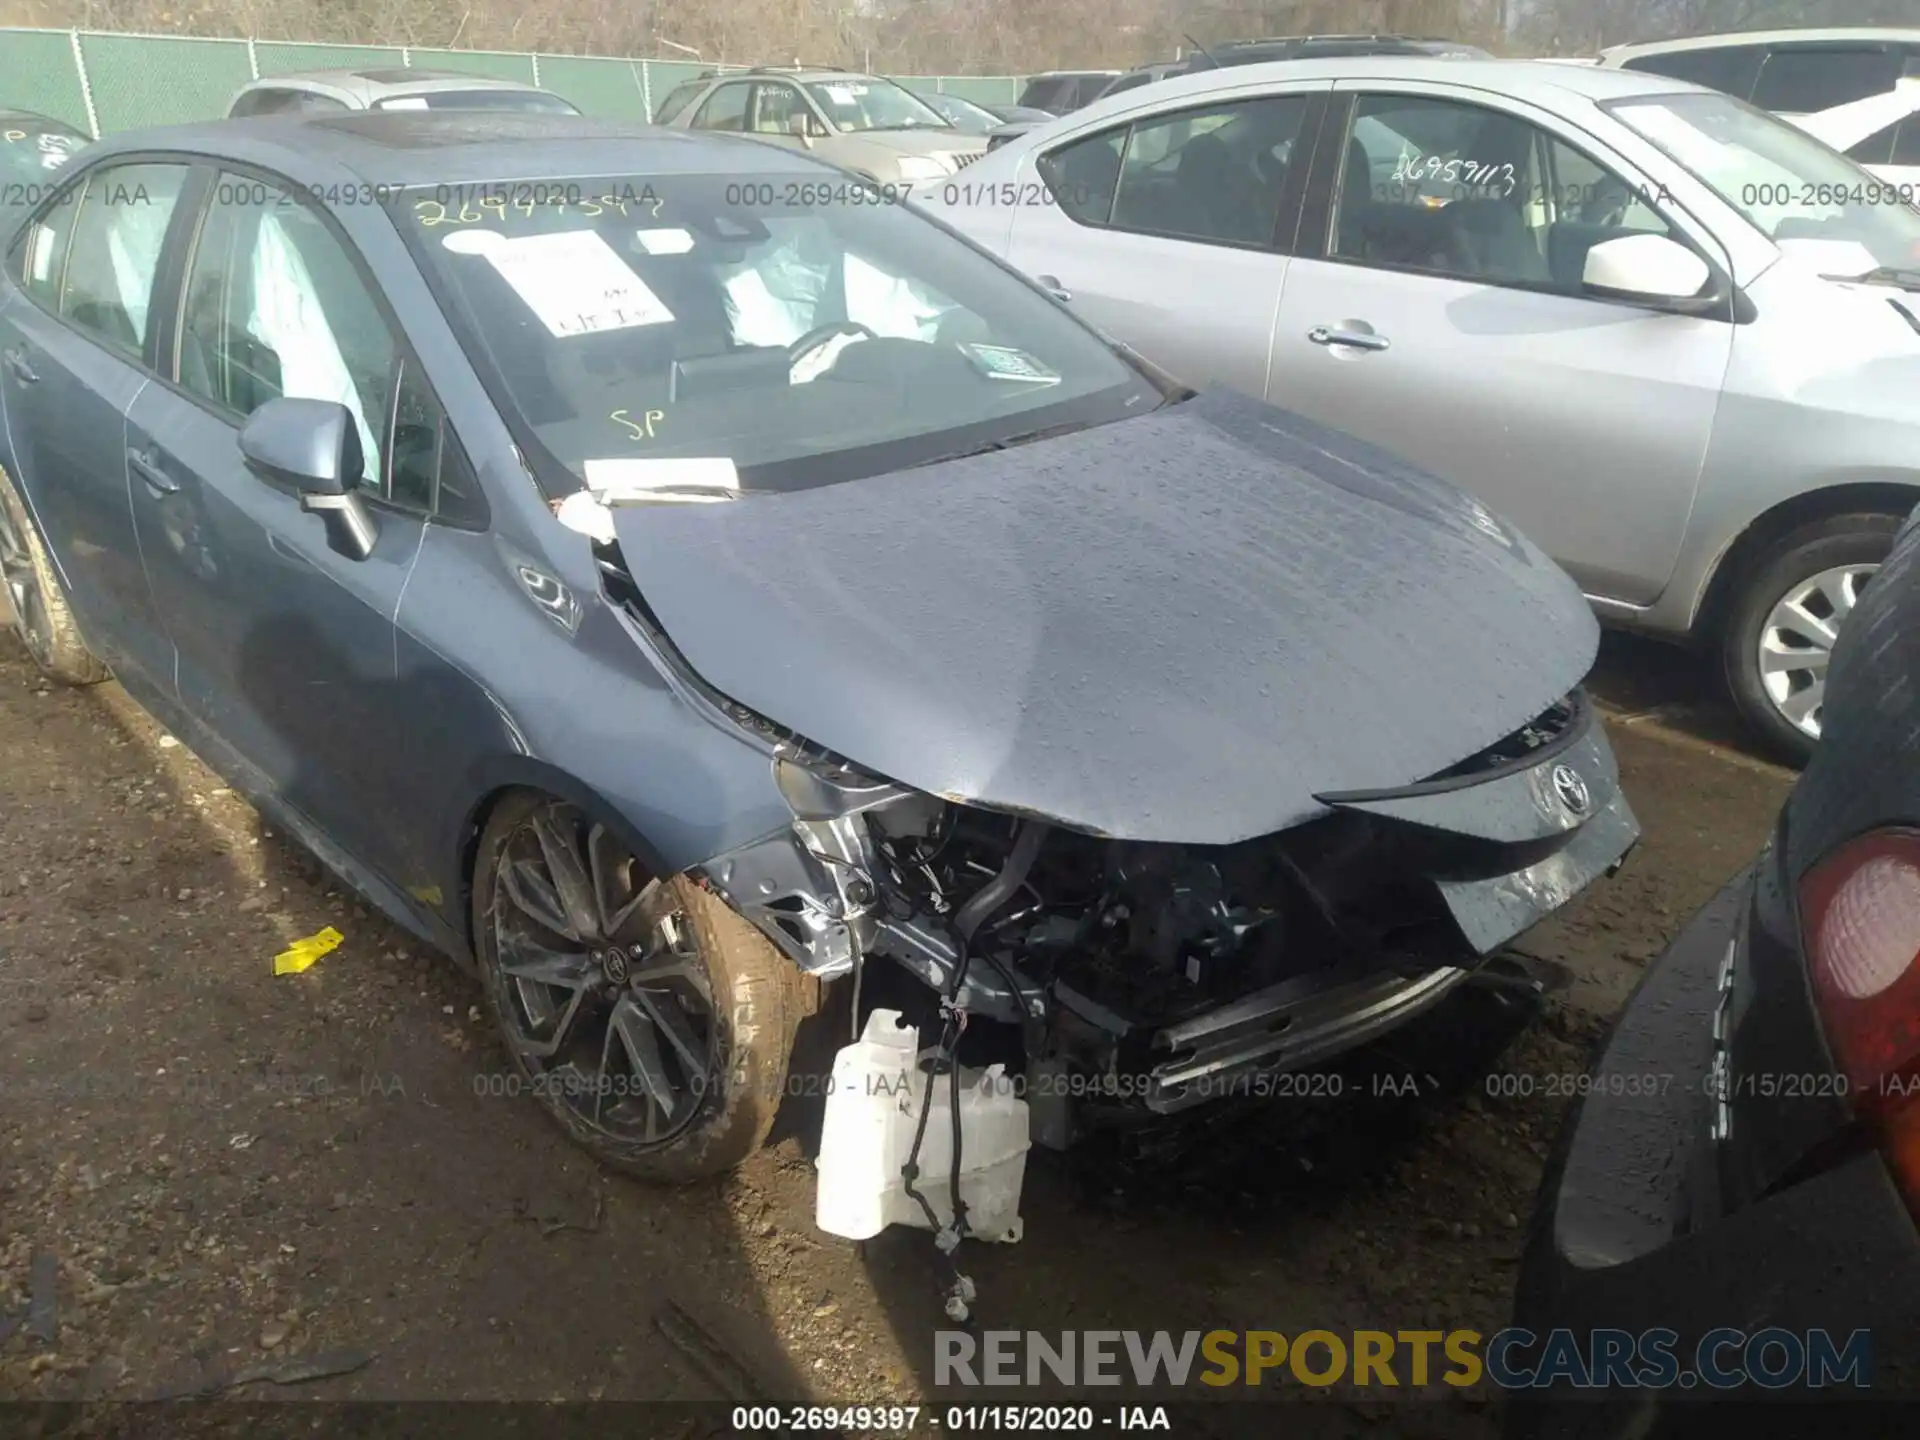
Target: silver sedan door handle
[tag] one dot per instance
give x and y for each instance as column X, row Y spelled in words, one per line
column 1325, row 335
column 1053, row 287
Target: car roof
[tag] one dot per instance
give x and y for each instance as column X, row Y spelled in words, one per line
column 380, row 82
column 1874, row 34
column 399, row 148
column 1549, row 85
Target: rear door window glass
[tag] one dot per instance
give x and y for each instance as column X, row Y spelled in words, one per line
column 726, row 109
column 114, row 254
column 1083, row 176
column 1210, row 174
column 677, row 100
column 1729, row 68
column 1039, row 94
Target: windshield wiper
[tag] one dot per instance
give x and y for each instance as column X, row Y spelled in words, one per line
column 1007, row 444
column 1883, row 275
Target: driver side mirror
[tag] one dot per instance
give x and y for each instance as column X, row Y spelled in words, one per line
column 804, row 128
column 314, row 446
column 1652, row 269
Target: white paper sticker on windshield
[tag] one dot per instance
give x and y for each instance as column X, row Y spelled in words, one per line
column 1003, row 362
column 405, row 102
column 631, row 480
column 843, row 94
column 664, row 242
column 473, row 242
column 575, row 283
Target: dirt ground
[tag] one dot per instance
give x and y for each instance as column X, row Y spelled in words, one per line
column 233, row 1168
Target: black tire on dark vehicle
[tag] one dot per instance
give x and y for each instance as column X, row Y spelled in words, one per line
column 41, row 616
column 670, row 1018
column 1824, row 561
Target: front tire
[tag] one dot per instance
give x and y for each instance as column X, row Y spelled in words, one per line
column 41, row 616
column 652, row 1022
column 1787, row 612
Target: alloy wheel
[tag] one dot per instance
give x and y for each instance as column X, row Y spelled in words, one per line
column 601, row 988
column 1796, row 642
column 22, row 579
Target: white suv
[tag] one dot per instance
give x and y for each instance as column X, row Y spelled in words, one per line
column 880, row 131
column 1790, row 72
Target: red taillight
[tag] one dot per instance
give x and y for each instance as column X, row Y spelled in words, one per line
column 1860, row 912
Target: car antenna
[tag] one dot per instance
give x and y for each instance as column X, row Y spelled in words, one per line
column 1201, row 48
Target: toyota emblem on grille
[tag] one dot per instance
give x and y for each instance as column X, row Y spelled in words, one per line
column 1571, row 789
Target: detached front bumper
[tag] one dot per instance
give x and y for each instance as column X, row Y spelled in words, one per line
column 1628, row 1235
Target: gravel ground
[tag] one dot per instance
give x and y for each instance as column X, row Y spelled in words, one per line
column 233, row 1169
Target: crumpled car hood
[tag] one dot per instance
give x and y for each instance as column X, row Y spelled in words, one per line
column 1179, row 627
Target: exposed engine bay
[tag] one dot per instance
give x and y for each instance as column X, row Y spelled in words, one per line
column 1164, row 975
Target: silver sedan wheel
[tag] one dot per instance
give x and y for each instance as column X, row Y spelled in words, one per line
column 1797, row 641
column 22, row 579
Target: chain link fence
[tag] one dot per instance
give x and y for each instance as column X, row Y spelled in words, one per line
column 104, row 83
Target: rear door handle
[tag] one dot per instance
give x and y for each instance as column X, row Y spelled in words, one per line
column 157, row 480
column 1359, row 340
column 21, row 371
column 1053, row 287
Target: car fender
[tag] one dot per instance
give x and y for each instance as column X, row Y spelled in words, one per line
column 1729, row 530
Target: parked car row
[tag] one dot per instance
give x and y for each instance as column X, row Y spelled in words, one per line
column 1063, row 92
column 875, row 128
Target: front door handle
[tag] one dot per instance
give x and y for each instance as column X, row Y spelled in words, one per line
column 1359, row 340
column 1053, row 287
column 18, row 367
column 157, row 480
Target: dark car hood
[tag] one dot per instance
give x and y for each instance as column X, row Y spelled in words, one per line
column 1180, row 627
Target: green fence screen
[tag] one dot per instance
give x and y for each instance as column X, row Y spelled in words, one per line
column 104, row 83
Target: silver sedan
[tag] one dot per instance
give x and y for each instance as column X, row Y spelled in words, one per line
column 1675, row 340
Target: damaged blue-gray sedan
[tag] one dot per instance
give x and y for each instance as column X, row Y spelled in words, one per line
column 666, row 574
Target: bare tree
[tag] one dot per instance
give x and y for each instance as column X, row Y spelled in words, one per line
column 1584, row 26
column 937, row 36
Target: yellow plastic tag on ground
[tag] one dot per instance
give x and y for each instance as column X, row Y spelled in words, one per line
column 302, row 953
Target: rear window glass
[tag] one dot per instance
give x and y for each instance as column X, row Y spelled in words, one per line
column 677, row 100
column 1731, row 68
column 1039, row 94
column 533, row 101
column 1804, row 82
